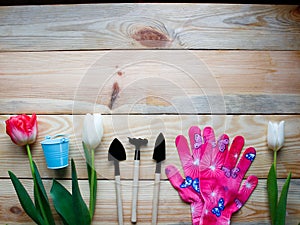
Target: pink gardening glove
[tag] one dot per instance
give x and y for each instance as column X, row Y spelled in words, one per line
column 188, row 188
column 221, row 177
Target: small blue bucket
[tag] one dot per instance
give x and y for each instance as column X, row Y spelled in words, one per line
column 56, row 151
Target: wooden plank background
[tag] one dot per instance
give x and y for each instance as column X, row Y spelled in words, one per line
column 129, row 26
column 233, row 67
column 239, row 81
column 253, row 128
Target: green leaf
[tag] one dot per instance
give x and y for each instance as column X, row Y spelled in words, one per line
column 79, row 206
column 272, row 193
column 43, row 196
column 281, row 209
column 39, row 182
column 62, row 200
column 25, row 200
column 89, row 170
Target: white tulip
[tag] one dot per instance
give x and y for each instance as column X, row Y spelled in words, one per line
column 92, row 130
column 275, row 135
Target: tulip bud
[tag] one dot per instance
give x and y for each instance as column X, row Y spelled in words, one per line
column 22, row 129
column 92, row 130
column 275, row 135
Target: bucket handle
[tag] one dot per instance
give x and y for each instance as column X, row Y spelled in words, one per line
column 64, row 137
column 60, row 135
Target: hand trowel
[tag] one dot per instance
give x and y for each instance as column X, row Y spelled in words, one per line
column 117, row 153
column 159, row 155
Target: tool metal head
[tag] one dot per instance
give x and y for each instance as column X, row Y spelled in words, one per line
column 138, row 142
column 116, row 151
column 159, row 153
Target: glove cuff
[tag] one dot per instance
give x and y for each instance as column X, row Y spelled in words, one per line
column 208, row 218
column 196, row 212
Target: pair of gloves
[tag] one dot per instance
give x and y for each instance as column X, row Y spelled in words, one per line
column 213, row 175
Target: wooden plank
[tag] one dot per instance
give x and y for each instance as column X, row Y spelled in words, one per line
column 177, row 81
column 253, row 128
column 171, row 209
column 140, row 26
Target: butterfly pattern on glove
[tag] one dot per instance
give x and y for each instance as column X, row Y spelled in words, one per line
column 250, row 156
column 218, row 209
column 198, row 141
column 238, row 203
column 222, row 144
column 230, row 172
column 190, row 182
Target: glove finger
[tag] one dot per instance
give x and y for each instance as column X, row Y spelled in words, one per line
column 209, row 135
column 245, row 162
column 187, row 194
column 244, row 193
column 234, row 152
column 195, row 140
column 183, row 152
column 221, row 150
column 207, row 148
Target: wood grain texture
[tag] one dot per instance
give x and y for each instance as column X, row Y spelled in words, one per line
column 150, row 68
column 253, row 128
column 142, row 26
column 171, row 209
column 177, row 81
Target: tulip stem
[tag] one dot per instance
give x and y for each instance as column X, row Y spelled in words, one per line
column 30, row 161
column 275, row 160
column 36, row 185
column 92, row 187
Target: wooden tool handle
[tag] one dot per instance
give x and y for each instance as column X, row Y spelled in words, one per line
column 135, row 190
column 119, row 199
column 155, row 198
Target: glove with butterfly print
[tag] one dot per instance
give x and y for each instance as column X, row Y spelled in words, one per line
column 188, row 188
column 221, row 176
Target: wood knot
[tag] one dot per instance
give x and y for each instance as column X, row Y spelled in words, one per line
column 16, row 210
column 150, row 37
column 156, row 101
column 295, row 14
column 114, row 94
